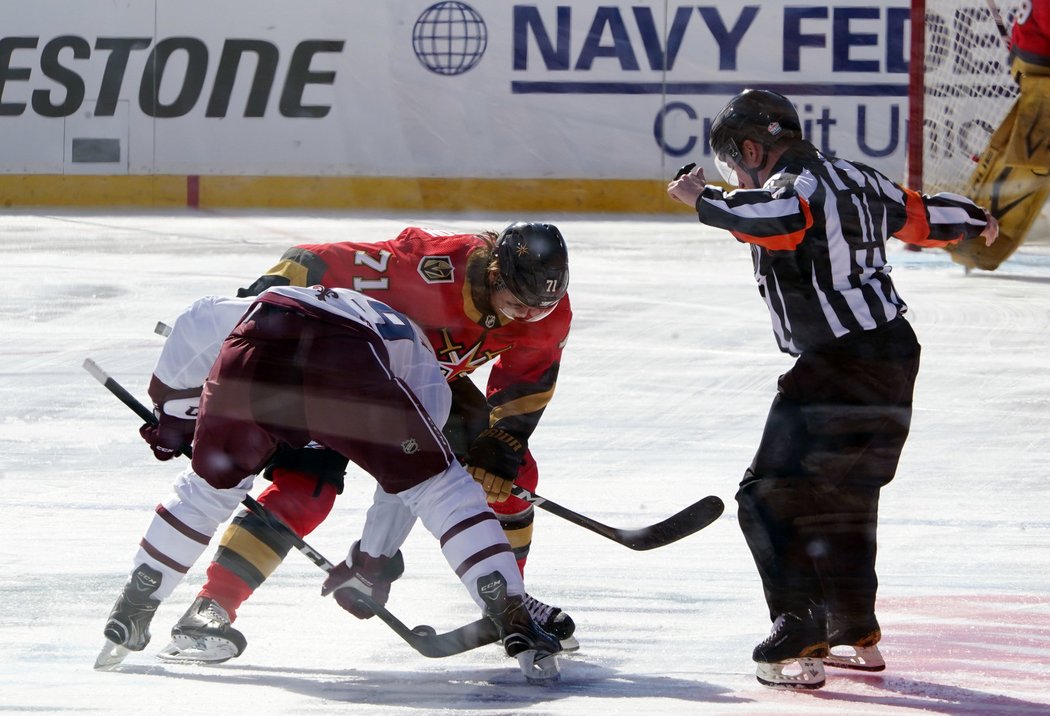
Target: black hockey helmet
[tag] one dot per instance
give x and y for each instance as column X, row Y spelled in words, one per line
column 533, row 263
column 762, row 116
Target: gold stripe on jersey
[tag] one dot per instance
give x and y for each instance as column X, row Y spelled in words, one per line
column 294, row 272
column 522, row 406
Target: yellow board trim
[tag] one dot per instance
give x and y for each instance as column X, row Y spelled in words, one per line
column 518, row 196
column 75, row 190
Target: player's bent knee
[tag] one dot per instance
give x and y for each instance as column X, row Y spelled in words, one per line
column 218, row 469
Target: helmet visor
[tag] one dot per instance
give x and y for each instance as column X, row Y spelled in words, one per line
column 726, row 158
column 727, row 170
column 517, row 310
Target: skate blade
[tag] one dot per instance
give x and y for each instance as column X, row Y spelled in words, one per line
column 567, row 645
column 804, row 673
column 863, row 658
column 110, row 656
column 570, row 644
column 187, row 650
column 543, row 670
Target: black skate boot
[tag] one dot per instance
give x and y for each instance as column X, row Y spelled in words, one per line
column 204, row 636
column 553, row 621
column 853, row 645
column 127, row 629
column 791, row 656
column 522, row 638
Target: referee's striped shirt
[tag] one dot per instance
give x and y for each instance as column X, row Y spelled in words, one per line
column 817, row 232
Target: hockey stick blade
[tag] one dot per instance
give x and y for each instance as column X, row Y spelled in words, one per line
column 423, row 639
column 681, row 524
column 692, row 519
column 426, row 640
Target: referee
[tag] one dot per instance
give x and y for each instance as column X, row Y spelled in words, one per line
column 808, row 504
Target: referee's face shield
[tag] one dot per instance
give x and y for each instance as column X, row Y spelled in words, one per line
column 727, row 158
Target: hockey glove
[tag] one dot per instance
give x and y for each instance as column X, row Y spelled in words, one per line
column 176, row 411
column 367, row 574
column 170, row 434
column 493, row 461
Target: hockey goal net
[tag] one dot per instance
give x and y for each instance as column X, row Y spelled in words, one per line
column 960, row 88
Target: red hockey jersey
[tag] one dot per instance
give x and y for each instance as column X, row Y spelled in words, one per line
column 1030, row 39
column 437, row 279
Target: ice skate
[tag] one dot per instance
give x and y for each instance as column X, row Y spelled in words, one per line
column 553, row 621
column 127, row 629
column 522, row 638
column 855, row 648
column 204, row 636
column 791, row 657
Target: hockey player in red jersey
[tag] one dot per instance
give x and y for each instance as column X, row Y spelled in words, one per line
column 479, row 298
column 817, row 227
column 332, row 367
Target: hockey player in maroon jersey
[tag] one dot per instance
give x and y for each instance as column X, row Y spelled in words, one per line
column 808, row 505
column 1012, row 176
column 332, row 367
column 479, row 298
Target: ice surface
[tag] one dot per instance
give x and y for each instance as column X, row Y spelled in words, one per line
column 663, row 393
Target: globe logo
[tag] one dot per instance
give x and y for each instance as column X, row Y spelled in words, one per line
column 449, row 38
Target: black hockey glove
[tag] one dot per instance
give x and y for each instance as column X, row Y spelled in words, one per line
column 367, row 574
column 493, row 461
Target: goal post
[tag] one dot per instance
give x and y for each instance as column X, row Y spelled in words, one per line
column 960, row 88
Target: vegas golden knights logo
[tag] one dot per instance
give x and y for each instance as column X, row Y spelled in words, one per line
column 436, row 269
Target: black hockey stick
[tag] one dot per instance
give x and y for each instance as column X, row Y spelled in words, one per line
column 692, row 519
column 681, row 524
column 422, row 638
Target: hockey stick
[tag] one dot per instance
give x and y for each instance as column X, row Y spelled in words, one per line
column 422, row 638
column 997, row 18
column 681, row 524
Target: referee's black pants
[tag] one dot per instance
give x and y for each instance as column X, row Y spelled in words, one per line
column 808, row 504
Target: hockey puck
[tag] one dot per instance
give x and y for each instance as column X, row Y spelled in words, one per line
column 425, row 630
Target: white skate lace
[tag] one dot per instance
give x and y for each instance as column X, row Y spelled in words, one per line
column 217, row 614
column 540, row 612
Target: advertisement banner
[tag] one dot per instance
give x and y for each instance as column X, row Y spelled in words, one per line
column 485, row 89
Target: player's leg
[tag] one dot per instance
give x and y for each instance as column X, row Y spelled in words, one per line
column 249, row 396
column 776, row 516
column 400, row 446
column 1012, row 178
column 177, row 535
column 467, row 419
column 305, row 484
column 867, row 438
